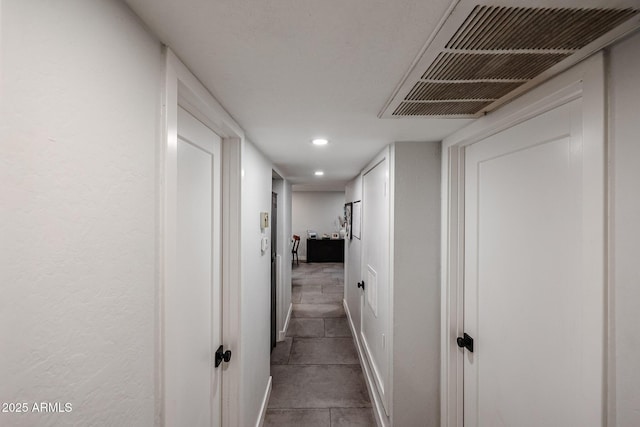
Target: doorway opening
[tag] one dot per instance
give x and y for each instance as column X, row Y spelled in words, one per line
column 274, row 267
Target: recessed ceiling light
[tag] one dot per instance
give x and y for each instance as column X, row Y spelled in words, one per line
column 319, row 173
column 320, row 141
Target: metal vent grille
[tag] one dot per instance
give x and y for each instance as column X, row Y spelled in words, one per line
column 497, row 49
column 506, row 28
column 474, row 90
column 484, row 66
column 439, row 108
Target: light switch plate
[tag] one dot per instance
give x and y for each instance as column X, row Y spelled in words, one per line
column 264, row 220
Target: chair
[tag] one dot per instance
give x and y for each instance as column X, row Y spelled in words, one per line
column 294, row 249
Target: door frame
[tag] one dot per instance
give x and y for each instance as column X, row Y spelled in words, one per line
column 382, row 404
column 181, row 87
column 587, row 81
column 275, row 269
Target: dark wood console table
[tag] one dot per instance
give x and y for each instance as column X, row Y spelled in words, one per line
column 325, row 250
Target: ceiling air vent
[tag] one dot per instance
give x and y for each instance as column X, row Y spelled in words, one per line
column 483, row 55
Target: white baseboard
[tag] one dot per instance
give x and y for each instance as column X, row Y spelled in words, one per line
column 381, row 418
column 265, row 403
column 283, row 333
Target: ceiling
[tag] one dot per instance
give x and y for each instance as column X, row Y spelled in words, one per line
column 289, row 71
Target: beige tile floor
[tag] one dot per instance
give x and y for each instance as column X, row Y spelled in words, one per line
column 317, row 377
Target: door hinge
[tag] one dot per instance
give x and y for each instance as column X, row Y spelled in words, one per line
column 222, row 355
column 465, row 342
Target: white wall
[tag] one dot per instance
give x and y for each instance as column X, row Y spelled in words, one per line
column 80, row 85
column 416, row 283
column 256, row 284
column 283, row 188
column 318, row 211
column 414, row 177
column 624, row 104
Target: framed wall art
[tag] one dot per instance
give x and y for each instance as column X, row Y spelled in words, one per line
column 347, row 219
column 356, row 219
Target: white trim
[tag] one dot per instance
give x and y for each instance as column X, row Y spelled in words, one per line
column 265, row 404
column 390, row 337
column 197, row 97
column 410, row 76
column 279, row 289
column 380, row 416
column 168, row 191
column 182, row 87
column 375, row 373
column 584, row 80
column 283, row 333
column 231, row 277
column 610, row 356
column 168, row 134
column 452, row 286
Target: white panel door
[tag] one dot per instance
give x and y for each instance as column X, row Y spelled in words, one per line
column 375, row 315
column 533, row 231
column 192, row 301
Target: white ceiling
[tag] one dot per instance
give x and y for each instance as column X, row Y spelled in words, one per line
column 292, row 70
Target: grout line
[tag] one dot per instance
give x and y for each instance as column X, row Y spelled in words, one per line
column 293, row 340
column 322, row 409
column 322, row 364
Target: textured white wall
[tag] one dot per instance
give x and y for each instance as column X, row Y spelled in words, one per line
column 318, row 211
column 256, row 284
column 416, row 284
column 624, row 104
column 80, row 85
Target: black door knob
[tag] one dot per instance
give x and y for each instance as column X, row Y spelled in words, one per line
column 465, row 342
column 361, row 285
column 222, row 356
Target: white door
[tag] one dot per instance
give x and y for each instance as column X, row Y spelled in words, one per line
column 375, row 311
column 532, row 303
column 192, row 300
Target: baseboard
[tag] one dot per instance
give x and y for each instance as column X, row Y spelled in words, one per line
column 381, row 418
column 283, row 333
column 265, row 403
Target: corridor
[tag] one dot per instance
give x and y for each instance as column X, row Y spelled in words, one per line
column 317, row 377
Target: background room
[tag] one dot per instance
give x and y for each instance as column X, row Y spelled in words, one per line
column 318, row 211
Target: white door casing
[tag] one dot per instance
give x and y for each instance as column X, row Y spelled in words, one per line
column 375, row 310
column 584, row 82
column 193, row 300
column 182, row 88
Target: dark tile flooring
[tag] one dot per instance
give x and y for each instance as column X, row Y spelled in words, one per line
column 317, row 377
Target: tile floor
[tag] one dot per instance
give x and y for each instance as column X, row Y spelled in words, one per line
column 317, row 377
